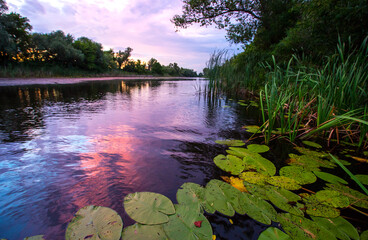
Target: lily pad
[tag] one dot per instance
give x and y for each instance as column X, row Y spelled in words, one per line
column 299, row 174
column 301, row 228
column 257, row 190
column 284, row 182
column 258, row 209
column 297, row 160
column 229, row 163
column 329, row 177
column 312, row 144
column 236, row 183
column 148, row 207
column 285, row 200
column 192, row 194
column 257, row 148
column 95, row 222
column 252, row 129
column 37, row 237
column 140, row 231
column 182, row 225
column 316, row 208
column 364, row 235
column 254, row 177
column 332, row 198
column 274, row 234
column 341, row 228
column 222, row 197
column 231, row 142
column 312, row 153
column 355, row 197
column 362, row 178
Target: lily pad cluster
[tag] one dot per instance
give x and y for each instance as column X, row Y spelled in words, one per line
column 300, row 214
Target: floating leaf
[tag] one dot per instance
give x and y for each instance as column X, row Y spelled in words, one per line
column 355, row 197
column 254, row 177
column 257, row 190
column 95, row 222
column 344, row 162
column 332, row 198
column 309, row 152
column 182, row 225
column 147, row 232
column 364, row 235
column 148, row 207
column 362, row 178
column 316, row 208
column 312, row 144
column 311, row 162
column 258, row 209
column 37, row 237
column 274, row 234
column 229, row 163
column 330, row 178
column 365, row 153
column 192, row 194
column 297, row 160
column 257, row 148
column 284, row 182
column 251, row 129
column 225, row 106
column 299, row 174
column 301, row 228
column 222, row 197
column 285, row 200
column 359, row 159
column 242, row 104
column 340, row 227
column 238, row 184
column 231, row 143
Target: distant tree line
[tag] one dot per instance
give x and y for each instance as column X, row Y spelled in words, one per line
column 18, row 46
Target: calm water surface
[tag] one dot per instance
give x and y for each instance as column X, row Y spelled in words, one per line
column 67, row 146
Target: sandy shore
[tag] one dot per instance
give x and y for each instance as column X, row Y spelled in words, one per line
column 39, row 81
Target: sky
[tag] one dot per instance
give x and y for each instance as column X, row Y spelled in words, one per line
column 143, row 25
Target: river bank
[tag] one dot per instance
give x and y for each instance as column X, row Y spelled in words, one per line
column 41, row 81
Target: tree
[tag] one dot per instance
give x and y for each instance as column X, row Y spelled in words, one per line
column 240, row 18
column 123, row 56
column 150, row 63
column 93, row 54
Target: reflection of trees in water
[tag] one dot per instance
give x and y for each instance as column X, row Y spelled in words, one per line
column 23, row 109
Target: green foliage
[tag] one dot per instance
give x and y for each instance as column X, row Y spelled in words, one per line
column 355, row 197
column 121, row 57
column 192, row 194
column 299, row 174
column 332, row 198
column 258, row 209
column 256, row 148
column 328, row 177
column 229, row 163
column 140, row 231
column 148, row 207
column 274, row 234
column 254, row 177
column 284, row 182
column 312, row 144
column 95, row 222
column 285, row 200
column 341, row 228
column 182, row 225
column 231, row 143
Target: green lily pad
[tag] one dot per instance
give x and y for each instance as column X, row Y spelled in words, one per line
column 251, row 129
column 344, row 162
column 332, row 198
column 316, row 208
column 341, row 228
column 284, row 182
column 148, row 207
column 285, row 200
column 257, row 148
column 229, row 163
column 254, row 177
column 242, row 104
column 329, row 177
column 355, row 197
column 312, row 144
column 95, row 222
column 297, row 160
column 365, row 153
column 299, row 174
column 37, row 237
column 298, row 227
column 362, row 178
column 187, row 225
column 258, row 209
column 257, row 190
column 147, row 232
column 192, row 194
column 273, row 234
column 312, row 153
column 364, row 235
column 221, row 197
column 231, row 142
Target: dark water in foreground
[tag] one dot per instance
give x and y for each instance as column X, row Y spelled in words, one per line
column 67, row 146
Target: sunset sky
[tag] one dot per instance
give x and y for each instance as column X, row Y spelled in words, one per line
column 143, row 25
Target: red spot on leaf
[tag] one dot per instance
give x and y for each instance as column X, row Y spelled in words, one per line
column 198, row 224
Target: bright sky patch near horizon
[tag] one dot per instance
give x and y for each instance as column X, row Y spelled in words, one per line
column 143, row 25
